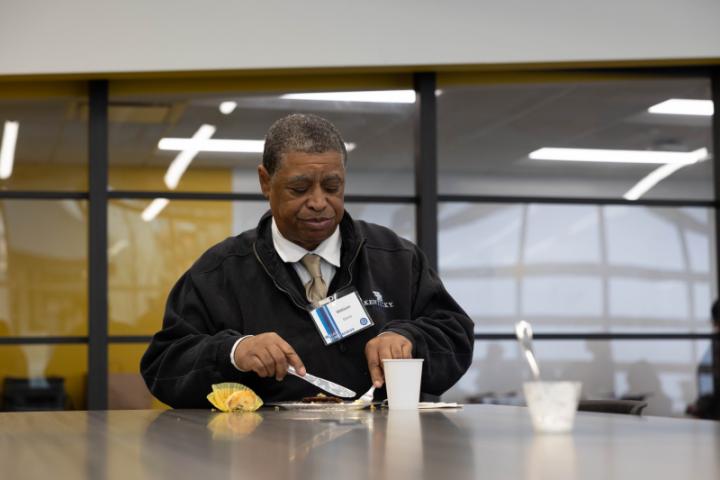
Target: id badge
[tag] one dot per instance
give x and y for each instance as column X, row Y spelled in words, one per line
column 340, row 315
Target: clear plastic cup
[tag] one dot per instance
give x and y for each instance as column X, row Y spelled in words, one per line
column 402, row 380
column 552, row 405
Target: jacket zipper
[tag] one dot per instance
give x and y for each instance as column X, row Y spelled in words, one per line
column 288, row 293
column 352, row 263
column 277, row 285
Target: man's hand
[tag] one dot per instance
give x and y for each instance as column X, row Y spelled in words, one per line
column 267, row 355
column 386, row 345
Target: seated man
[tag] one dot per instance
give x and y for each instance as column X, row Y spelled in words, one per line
column 241, row 312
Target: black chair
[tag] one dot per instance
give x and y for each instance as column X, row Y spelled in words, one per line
column 627, row 407
column 25, row 395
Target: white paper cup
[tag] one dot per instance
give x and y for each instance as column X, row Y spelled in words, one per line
column 402, row 380
column 552, row 405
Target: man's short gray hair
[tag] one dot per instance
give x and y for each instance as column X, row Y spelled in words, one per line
column 300, row 132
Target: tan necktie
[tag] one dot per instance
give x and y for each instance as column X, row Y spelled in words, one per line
column 315, row 289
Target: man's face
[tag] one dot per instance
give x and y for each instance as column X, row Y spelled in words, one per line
column 306, row 195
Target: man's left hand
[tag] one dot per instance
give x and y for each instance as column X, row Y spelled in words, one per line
column 386, row 345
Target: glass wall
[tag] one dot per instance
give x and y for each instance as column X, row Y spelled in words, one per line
column 48, row 136
column 661, row 372
column 183, row 158
column 214, row 141
column 43, row 245
column 580, row 268
column 43, row 284
column 490, row 139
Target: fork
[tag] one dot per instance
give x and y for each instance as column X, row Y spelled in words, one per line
column 367, row 397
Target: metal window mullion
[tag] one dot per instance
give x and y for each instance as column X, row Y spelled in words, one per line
column 426, row 222
column 97, row 385
column 715, row 92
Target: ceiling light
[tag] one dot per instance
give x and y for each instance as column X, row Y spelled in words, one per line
column 617, row 156
column 683, row 106
column 182, row 161
column 661, row 173
column 226, row 108
column 7, row 149
column 155, row 207
column 220, row 145
column 212, row 145
column 376, row 96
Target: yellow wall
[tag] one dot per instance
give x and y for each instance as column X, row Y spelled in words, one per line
column 43, row 270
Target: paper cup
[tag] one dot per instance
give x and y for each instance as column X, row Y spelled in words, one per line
column 402, row 380
column 552, row 405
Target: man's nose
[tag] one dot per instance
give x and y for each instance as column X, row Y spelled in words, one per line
column 317, row 200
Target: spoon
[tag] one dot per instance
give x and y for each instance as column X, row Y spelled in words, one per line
column 523, row 332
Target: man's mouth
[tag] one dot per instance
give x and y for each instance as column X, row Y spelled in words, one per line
column 317, row 222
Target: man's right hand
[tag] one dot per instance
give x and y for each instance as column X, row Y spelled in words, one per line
column 267, row 354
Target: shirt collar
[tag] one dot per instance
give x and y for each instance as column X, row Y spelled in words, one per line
column 328, row 250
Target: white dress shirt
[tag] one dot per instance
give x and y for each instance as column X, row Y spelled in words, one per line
column 328, row 251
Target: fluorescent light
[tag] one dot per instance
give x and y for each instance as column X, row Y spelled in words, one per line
column 212, row 145
column 182, row 161
column 226, row 108
column 661, row 173
column 155, row 207
column 616, row 156
column 220, row 145
column 376, row 96
column 7, row 149
column 683, row 106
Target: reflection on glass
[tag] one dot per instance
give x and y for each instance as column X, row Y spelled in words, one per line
column 487, row 133
column 43, row 283
column 662, row 372
column 579, row 268
column 47, row 371
column 218, row 149
column 399, row 218
column 147, row 258
column 50, row 144
column 562, row 234
column 126, row 388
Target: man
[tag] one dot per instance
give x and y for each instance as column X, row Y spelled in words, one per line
column 241, row 312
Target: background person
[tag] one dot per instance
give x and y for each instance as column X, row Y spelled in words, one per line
column 707, row 404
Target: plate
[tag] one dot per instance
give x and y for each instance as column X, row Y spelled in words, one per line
column 320, row 407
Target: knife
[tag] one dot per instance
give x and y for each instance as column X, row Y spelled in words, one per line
column 327, row 385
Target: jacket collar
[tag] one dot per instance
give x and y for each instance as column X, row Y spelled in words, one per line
column 282, row 276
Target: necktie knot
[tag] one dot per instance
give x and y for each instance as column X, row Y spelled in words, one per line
column 312, row 263
column 315, row 289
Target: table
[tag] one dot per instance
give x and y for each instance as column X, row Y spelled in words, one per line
column 478, row 441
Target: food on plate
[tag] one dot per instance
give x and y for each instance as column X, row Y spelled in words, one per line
column 229, row 397
column 321, row 398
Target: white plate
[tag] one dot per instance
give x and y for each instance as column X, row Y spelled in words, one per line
column 320, row 407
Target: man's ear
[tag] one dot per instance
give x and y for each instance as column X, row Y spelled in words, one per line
column 264, row 178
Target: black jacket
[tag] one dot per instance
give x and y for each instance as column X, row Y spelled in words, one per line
column 241, row 286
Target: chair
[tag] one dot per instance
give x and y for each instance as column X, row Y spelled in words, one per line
column 34, row 394
column 628, row 407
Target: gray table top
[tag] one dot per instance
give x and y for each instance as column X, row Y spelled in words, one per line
column 478, row 441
